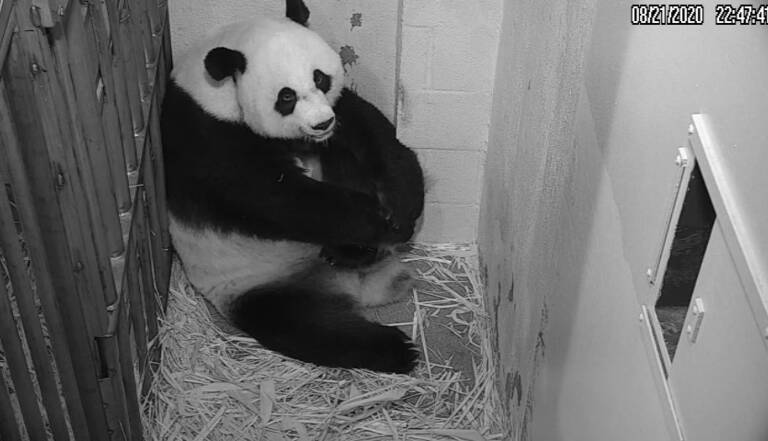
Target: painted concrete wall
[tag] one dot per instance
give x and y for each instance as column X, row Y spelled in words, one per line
column 530, row 169
column 427, row 64
column 578, row 184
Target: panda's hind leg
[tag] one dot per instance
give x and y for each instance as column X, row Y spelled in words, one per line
column 386, row 281
column 320, row 326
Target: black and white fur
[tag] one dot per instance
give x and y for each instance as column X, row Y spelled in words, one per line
column 287, row 193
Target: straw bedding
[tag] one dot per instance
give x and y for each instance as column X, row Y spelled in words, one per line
column 215, row 385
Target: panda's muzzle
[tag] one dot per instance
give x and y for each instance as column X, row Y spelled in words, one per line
column 323, row 126
column 321, row 132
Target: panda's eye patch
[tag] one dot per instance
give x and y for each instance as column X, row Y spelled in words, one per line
column 286, row 101
column 322, row 81
column 287, row 94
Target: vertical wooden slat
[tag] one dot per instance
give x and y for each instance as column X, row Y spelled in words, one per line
column 121, row 95
column 147, row 276
column 130, row 17
column 77, row 150
column 150, row 301
column 62, row 145
column 14, row 259
column 97, row 250
column 164, row 256
column 108, row 398
column 156, row 23
column 109, row 116
column 14, row 355
column 150, row 194
column 59, row 201
column 119, row 17
column 6, row 24
column 11, row 154
column 144, row 27
column 9, row 429
column 167, row 52
column 134, row 287
column 126, row 361
column 161, row 75
column 78, row 58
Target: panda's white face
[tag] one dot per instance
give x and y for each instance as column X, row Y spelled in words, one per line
column 279, row 78
column 289, row 86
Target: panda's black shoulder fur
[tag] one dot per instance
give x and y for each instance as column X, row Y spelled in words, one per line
column 222, row 175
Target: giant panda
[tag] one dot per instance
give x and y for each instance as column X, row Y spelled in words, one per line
column 287, row 193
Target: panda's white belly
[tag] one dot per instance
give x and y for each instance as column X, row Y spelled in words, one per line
column 221, row 266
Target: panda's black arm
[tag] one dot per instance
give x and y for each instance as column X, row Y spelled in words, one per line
column 394, row 168
column 296, row 207
column 401, row 186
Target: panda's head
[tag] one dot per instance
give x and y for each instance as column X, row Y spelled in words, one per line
column 276, row 76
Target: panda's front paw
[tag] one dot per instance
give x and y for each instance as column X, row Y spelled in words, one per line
column 386, row 213
column 398, row 232
column 350, row 256
column 399, row 229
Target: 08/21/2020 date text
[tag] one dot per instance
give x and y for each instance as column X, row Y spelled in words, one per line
column 694, row 14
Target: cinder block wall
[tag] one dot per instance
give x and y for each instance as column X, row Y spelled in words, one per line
column 427, row 64
column 445, row 83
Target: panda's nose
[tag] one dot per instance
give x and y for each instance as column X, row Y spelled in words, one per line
column 325, row 124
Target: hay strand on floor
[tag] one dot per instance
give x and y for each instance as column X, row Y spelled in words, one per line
column 218, row 386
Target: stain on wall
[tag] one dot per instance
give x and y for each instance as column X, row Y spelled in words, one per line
column 356, row 20
column 348, row 56
column 513, row 387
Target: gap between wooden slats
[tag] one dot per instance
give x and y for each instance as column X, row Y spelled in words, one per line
column 164, row 254
column 134, row 285
column 25, row 301
column 148, row 173
column 10, row 429
column 150, row 301
column 17, row 364
column 111, row 377
column 126, row 360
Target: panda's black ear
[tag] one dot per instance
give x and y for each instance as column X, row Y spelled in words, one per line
column 297, row 11
column 222, row 63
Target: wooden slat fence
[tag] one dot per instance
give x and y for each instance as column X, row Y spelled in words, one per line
column 84, row 245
